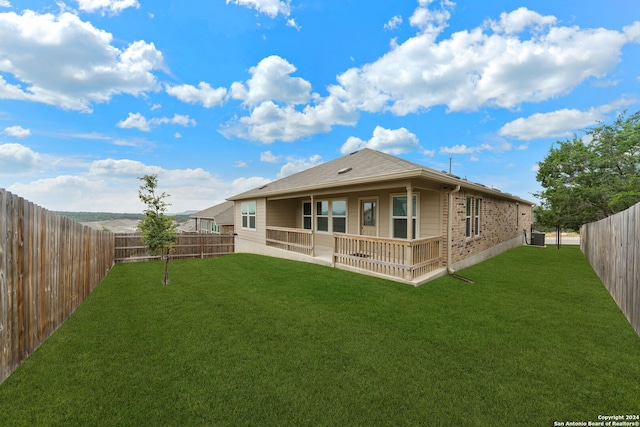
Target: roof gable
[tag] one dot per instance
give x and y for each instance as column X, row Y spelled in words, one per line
column 222, row 213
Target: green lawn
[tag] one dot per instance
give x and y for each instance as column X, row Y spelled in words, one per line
column 256, row 341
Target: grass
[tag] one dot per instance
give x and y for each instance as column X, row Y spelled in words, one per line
column 250, row 340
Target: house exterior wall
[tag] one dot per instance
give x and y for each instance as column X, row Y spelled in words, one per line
column 259, row 234
column 501, row 221
column 288, row 212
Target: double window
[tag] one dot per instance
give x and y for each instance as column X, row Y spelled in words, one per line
column 399, row 216
column 331, row 216
column 472, row 220
column 248, row 213
column 209, row 226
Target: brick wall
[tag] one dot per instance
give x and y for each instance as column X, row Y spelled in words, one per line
column 500, row 221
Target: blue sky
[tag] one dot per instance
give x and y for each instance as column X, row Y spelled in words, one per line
column 220, row 96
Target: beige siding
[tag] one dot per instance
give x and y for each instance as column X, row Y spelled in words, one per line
column 284, row 213
column 430, row 214
column 259, row 234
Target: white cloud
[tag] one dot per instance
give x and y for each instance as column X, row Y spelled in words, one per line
column 5, row 3
column 241, row 164
column 295, row 165
column 292, row 23
column 269, row 122
column 561, row 123
column 522, row 57
column 17, row 132
column 273, row 98
column 270, row 8
column 102, row 6
column 268, row 157
column 111, row 185
column 135, row 120
column 393, row 23
column 83, row 67
column 463, row 149
column 430, row 21
column 240, row 185
column 204, row 94
column 521, row 19
column 271, row 81
column 391, row 141
column 138, row 121
column 16, row 159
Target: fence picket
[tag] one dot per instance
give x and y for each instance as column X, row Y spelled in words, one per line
column 48, row 265
column 129, row 247
column 612, row 247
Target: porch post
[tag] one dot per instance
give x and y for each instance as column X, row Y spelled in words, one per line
column 313, row 228
column 409, row 254
column 409, row 212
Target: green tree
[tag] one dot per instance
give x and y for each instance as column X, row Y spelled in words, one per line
column 587, row 179
column 158, row 231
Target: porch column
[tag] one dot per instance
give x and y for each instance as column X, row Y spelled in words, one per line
column 408, row 275
column 409, row 212
column 313, row 227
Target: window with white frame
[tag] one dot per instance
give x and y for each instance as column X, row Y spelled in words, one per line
column 339, row 216
column 399, row 216
column 306, row 215
column 331, row 216
column 248, row 213
column 468, row 216
column 476, row 216
column 472, row 218
column 322, row 215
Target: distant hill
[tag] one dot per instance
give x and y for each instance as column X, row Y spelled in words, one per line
column 110, row 216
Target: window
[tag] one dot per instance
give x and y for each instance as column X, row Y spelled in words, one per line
column 468, row 216
column 209, row 226
column 248, row 215
column 472, row 219
column 476, row 223
column 339, row 216
column 331, row 216
column 306, row 215
column 322, row 216
column 399, row 216
column 369, row 214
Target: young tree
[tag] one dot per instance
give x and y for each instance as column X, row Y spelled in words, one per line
column 158, row 231
column 590, row 178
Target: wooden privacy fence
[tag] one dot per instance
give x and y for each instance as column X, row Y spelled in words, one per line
column 612, row 246
column 48, row 265
column 129, row 247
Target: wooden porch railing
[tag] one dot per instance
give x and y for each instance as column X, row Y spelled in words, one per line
column 291, row 239
column 404, row 259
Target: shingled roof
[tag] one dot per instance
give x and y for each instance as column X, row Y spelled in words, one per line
column 222, row 213
column 361, row 167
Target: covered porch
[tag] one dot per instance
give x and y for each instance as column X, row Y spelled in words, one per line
column 412, row 261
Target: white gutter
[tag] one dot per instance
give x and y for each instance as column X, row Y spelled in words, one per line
column 449, row 228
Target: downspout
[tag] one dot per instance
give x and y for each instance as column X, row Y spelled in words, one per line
column 449, row 228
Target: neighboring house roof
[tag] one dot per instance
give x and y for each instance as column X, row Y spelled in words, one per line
column 222, row 213
column 362, row 167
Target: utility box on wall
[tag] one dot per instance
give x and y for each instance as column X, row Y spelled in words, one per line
column 537, row 239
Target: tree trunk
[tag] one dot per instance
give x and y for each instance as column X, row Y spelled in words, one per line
column 165, row 260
